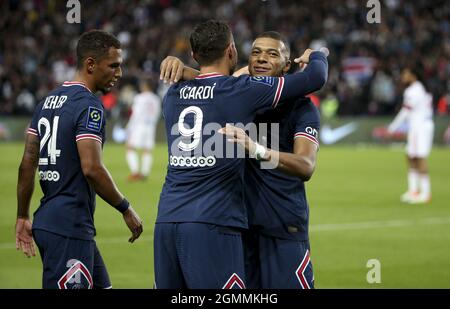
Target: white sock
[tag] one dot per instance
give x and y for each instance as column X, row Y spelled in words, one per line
column 133, row 161
column 413, row 181
column 147, row 161
column 425, row 186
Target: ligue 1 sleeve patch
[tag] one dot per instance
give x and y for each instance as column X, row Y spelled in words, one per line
column 94, row 119
column 265, row 80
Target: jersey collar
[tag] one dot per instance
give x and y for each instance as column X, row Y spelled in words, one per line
column 69, row 84
column 209, row 75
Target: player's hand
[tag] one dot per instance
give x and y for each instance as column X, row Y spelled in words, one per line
column 24, row 237
column 242, row 71
column 171, row 70
column 303, row 60
column 238, row 136
column 134, row 223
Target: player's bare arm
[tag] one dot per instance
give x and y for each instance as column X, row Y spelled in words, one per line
column 25, row 188
column 300, row 163
column 99, row 177
column 173, row 70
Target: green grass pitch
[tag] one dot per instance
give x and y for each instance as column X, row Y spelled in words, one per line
column 355, row 216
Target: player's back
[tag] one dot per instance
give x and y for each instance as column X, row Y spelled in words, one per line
column 202, row 185
column 68, row 114
column 276, row 201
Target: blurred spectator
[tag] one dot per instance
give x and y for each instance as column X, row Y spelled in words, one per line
column 443, row 106
column 382, row 94
column 35, row 38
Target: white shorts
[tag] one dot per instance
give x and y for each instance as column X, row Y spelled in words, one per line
column 420, row 140
column 141, row 137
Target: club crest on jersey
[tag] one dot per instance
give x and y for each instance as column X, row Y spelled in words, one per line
column 265, row 80
column 94, row 120
column 76, row 277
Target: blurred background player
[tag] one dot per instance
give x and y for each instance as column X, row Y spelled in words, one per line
column 141, row 129
column 65, row 140
column 417, row 111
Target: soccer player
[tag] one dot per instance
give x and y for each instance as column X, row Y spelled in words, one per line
column 277, row 242
column 417, row 111
column 65, row 140
column 201, row 212
column 141, row 129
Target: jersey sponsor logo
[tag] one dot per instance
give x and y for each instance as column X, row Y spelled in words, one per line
column 49, row 176
column 192, row 161
column 265, row 80
column 312, row 131
column 77, row 277
column 94, row 121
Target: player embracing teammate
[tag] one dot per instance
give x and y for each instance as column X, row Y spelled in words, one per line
column 202, row 216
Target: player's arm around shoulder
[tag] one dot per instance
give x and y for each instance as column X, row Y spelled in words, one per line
column 173, row 70
column 309, row 79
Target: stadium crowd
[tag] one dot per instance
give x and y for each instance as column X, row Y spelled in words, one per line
column 37, row 42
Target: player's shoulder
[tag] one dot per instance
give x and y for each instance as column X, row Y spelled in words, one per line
column 248, row 80
column 415, row 88
column 87, row 99
column 77, row 91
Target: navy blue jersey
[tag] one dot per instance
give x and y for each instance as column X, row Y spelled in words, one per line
column 276, row 201
column 201, row 184
column 68, row 114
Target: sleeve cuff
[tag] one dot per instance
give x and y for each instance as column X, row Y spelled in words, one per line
column 80, row 137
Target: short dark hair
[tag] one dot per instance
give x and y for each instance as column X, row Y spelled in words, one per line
column 209, row 41
column 418, row 71
column 276, row 36
column 95, row 44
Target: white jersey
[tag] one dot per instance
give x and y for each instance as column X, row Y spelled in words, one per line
column 145, row 110
column 417, row 110
column 419, row 103
column 144, row 118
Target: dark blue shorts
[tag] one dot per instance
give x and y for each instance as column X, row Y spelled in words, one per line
column 274, row 263
column 70, row 263
column 198, row 256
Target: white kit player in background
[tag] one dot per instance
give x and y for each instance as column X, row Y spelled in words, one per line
column 417, row 110
column 141, row 130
